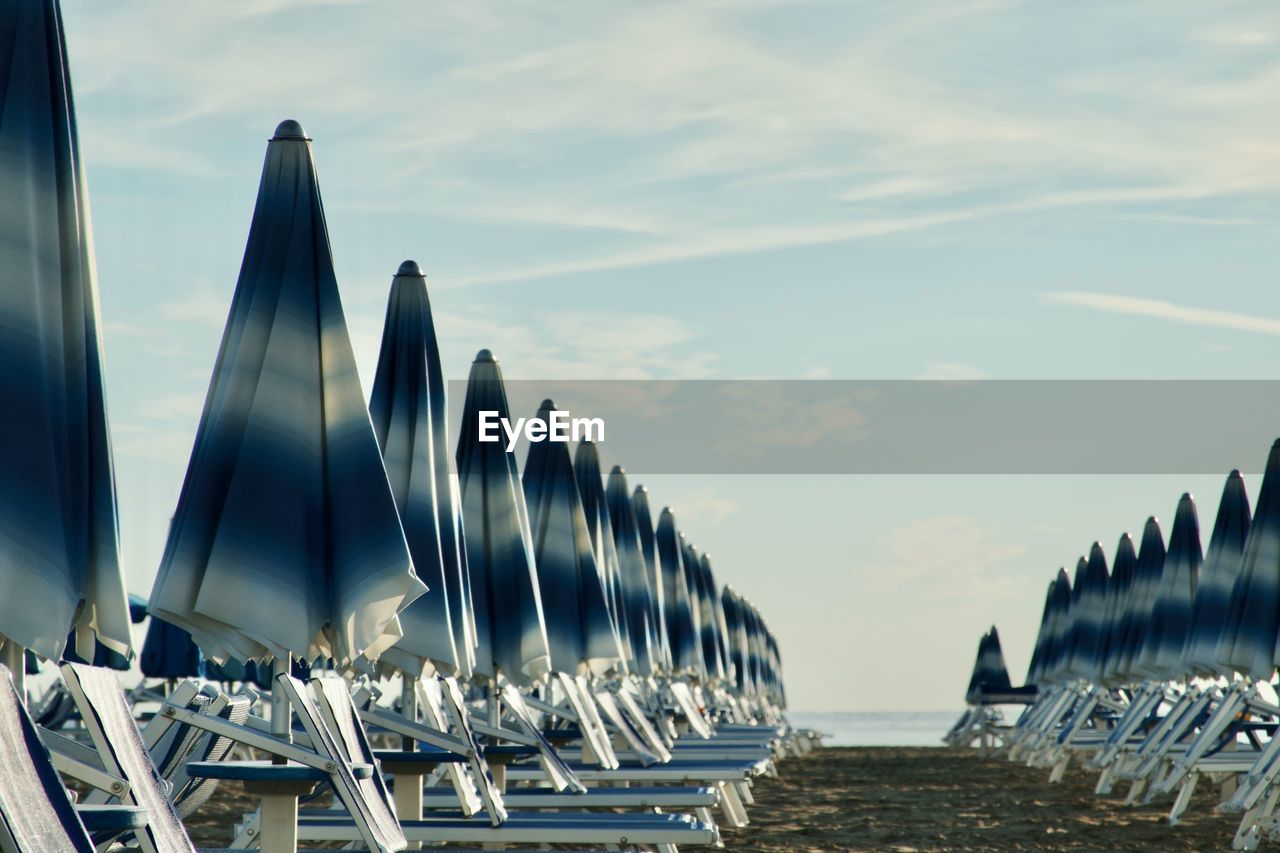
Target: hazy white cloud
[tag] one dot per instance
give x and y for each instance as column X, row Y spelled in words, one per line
column 1159, row 309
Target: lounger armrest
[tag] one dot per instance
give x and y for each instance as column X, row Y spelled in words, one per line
column 397, row 724
column 265, row 771
column 248, row 736
column 104, row 818
column 551, row 710
column 81, row 763
column 504, row 734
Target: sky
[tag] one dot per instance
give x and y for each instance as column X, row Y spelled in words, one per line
column 729, row 190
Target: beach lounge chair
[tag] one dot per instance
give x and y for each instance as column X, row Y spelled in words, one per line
column 37, row 814
column 662, row 830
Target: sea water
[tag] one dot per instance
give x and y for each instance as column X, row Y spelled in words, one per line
column 877, row 728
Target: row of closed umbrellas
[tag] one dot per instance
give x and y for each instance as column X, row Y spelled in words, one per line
column 1172, row 611
column 311, row 524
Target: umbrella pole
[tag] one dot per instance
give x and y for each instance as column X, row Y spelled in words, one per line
column 408, row 787
column 15, row 658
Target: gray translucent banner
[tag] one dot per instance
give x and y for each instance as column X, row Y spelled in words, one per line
column 917, row 426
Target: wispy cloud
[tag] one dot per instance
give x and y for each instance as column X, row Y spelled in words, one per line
column 1159, row 309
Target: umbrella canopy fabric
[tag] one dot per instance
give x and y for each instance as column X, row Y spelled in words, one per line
column 633, row 573
column 713, row 616
column 410, row 418
column 703, row 626
column 286, row 540
column 989, row 671
column 1161, row 656
column 1136, row 622
column 736, row 639
column 1056, row 647
column 510, row 630
column 657, row 595
column 595, row 506
column 1090, row 634
column 1118, row 596
column 1218, row 576
column 683, row 638
column 574, row 604
column 169, row 652
column 59, row 542
column 1252, row 648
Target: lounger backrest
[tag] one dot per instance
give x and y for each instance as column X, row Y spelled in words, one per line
column 593, row 731
column 604, row 699
column 462, row 778
column 333, row 698
column 110, row 725
column 190, row 794
column 561, row 776
column 684, row 698
column 373, row 818
column 636, row 714
column 36, row 814
column 444, row 697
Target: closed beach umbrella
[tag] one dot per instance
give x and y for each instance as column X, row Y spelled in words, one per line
column 1146, row 584
column 169, row 652
column 1059, row 629
column 286, row 540
column 59, row 551
column 410, row 418
column 657, row 595
column 1089, row 635
column 1118, row 597
column 1218, row 575
column 595, row 506
column 686, row 645
column 574, row 607
column 511, row 633
column 704, row 627
column 1171, row 617
column 633, row 573
column 736, row 639
column 1252, row 649
column 989, row 671
column 713, row 615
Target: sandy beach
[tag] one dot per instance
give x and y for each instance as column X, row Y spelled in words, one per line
column 906, row 799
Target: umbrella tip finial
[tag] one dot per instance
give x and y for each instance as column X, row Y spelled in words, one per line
column 290, row 129
column 546, row 404
column 410, row 268
column 1235, row 474
column 485, row 355
column 1186, row 496
column 618, row 469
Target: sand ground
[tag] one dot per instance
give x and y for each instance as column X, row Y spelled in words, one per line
column 918, row 799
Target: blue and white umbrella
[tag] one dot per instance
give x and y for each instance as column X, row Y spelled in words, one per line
column 657, row 600
column 736, row 639
column 990, row 675
column 1119, row 594
column 59, row 551
column 286, row 540
column 1136, row 621
column 1090, row 637
column 713, row 615
column 1253, row 644
column 1218, row 576
column 705, row 626
column 510, row 630
column 1161, row 657
column 580, row 631
column 1056, row 647
column 683, row 638
column 410, row 418
column 595, row 505
column 633, row 573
